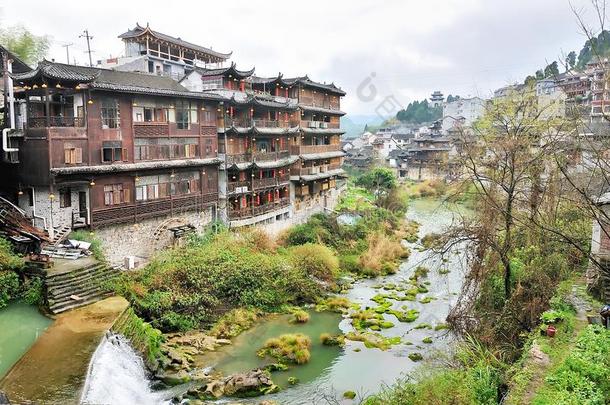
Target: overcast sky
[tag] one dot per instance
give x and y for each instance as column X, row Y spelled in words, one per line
column 406, row 48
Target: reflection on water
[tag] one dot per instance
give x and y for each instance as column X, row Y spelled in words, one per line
column 21, row 324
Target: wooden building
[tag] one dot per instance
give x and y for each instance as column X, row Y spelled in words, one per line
column 101, row 147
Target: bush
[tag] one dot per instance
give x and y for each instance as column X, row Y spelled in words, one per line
column 9, row 287
column 299, row 315
column 292, row 348
column 301, row 234
column 382, row 250
column 192, row 286
column 234, row 322
column 33, row 291
column 316, row 260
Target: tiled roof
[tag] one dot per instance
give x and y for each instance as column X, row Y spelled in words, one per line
column 139, row 30
column 113, row 80
column 323, row 155
column 325, row 175
column 322, row 131
column 19, row 66
column 231, row 70
column 305, row 107
column 128, row 167
column 304, row 80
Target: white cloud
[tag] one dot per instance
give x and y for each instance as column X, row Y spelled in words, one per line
column 414, row 47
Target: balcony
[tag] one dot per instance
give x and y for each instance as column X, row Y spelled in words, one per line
column 150, row 129
column 140, row 210
column 236, row 187
column 306, row 171
column 252, row 211
column 319, row 124
column 260, row 123
column 55, row 121
column 269, row 182
column 257, row 157
column 309, row 149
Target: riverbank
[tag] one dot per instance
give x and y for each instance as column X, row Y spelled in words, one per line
column 54, row 369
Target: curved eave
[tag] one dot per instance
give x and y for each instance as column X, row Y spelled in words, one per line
column 154, row 91
column 130, row 167
column 323, row 155
column 321, row 110
column 322, row 131
column 330, row 88
column 321, row 176
column 56, row 72
column 273, row 164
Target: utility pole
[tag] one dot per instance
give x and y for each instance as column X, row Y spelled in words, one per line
column 67, row 46
column 86, row 35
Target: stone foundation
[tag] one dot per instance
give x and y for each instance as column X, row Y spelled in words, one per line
column 143, row 239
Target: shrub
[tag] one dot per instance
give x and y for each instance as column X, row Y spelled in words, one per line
column 300, row 316
column 9, row 287
column 316, row 260
column 349, row 394
column 292, row 348
column 332, row 340
column 302, row 234
column 234, row 322
column 382, row 250
column 33, row 291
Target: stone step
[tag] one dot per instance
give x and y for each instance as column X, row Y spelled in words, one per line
column 92, row 284
column 74, row 276
column 93, row 298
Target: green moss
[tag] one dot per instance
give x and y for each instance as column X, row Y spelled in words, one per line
column 423, row 326
column 373, row 340
column 234, row 323
column 332, row 340
column 416, row 356
column 427, row 340
column 441, row 326
column 292, row 380
column 299, row 316
column 405, row 316
column 349, row 394
column 142, row 336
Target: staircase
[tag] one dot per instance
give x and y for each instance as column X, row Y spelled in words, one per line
column 60, row 234
column 78, row 287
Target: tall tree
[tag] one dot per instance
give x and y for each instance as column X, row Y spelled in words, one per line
column 571, row 60
column 28, row 47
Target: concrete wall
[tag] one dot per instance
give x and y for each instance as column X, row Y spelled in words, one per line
column 146, row 237
column 43, row 206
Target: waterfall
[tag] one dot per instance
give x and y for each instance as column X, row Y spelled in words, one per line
column 117, row 375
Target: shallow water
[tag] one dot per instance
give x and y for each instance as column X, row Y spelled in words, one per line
column 332, row 372
column 241, row 355
column 20, row 325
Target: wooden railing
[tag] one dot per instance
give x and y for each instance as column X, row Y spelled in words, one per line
column 139, row 210
column 308, row 149
column 319, row 124
column 150, row 128
column 305, row 171
column 233, row 185
column 43, row 122
column 253, row 211
column 256, row 157
column 261, row 123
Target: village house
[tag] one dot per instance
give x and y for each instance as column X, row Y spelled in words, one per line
column 135, row 154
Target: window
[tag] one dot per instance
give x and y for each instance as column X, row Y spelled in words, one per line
column 114, row 194
column 166, row 148
column 110, row 113
column 65, row 198
column 185, row 114
column 112, row 151
column 162, row 186
column 211, row 84
column 72, row 154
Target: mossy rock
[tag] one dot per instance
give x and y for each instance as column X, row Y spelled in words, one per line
column 427, row 340
column 423, row 326
column 293, row 380
column 441, row 326
column 416, row 357
column 426, row 300
column 276, row 367
column 349, row 394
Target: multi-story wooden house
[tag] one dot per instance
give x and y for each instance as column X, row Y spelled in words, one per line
column 100, row 147
column 132, row 151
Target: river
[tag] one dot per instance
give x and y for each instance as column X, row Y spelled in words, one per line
column 331, row 370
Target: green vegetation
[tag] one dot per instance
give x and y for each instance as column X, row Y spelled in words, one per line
column 288, row 348
column 192, row 286
column 142, row 336
column 356, row 199
column 299, row 315
column 27, row 46
column 234, row 322
column 419, row 112
column 583, row 377
column 316, row 260
column 9, row 287
column 373, row 340
column 96, row 244
column 13, row 285
column 349, row 394
column 416, row 356
column 332, row 340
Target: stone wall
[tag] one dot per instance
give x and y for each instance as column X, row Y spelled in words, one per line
column 143, row 239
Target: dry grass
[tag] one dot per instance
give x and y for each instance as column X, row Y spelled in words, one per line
column 382, row 254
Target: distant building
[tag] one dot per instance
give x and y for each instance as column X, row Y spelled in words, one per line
column 437, row 99
column 149, row 51
column 462, row 112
